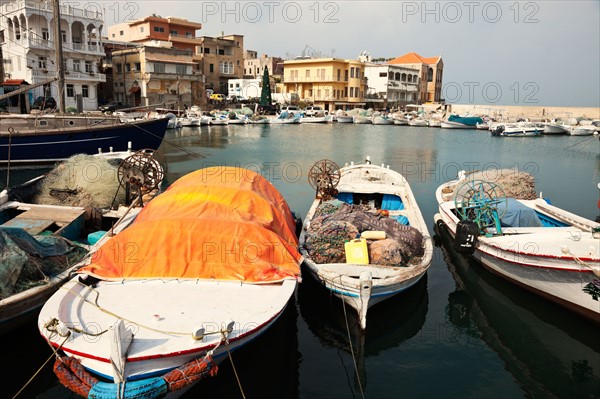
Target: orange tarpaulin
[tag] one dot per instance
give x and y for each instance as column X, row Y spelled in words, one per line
column 221, row 223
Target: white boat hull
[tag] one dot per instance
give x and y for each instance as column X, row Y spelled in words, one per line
column 553, row 262
column 344, row 119
column 177, row 308
column 349, row 281
column 455, row 125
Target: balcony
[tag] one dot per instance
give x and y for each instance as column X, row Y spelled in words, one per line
column 311, row 79
column 41, row 74
column 94, row 13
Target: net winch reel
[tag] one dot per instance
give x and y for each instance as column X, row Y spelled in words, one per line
column 140, row 173
column 324, row 177
column 483, row 203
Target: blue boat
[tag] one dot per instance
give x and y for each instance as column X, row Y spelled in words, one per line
column 465, row 120
column 45, row 142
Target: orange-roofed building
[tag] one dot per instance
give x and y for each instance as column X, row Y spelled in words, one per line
column 431, row 69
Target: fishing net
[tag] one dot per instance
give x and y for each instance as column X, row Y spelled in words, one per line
column 84, row 181
column 516, row 184
column 27, row 262
column 336, row 222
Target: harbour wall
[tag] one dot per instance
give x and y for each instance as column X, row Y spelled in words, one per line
column 531, row 112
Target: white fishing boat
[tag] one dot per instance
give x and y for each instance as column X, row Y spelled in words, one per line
column 218, row 269
column 400, row 122
column 52, row 222
column 520, row 129
column 344, row 119
column 529, row 242
column 317, row 119
column 219, row 120
column 557, row 128
column 582, row 130
column 419, row 122
column 434, row 122
column 382, row 120
column 361, row 120
column 285, row 118
column 376, row 204
column 482, row 126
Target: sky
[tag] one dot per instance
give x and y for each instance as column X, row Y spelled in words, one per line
column 495, row 52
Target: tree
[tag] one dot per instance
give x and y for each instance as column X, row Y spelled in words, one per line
column 265, row 94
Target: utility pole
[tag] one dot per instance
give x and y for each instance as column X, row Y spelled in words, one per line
column 59, row 58
column 1, row 65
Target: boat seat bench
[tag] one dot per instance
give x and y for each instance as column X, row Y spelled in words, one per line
column 36, row 220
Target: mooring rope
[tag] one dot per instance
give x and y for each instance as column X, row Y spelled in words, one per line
column 54, row 354
column 362, row 393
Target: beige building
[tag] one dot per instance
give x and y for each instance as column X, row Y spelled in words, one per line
column 431, row 72
column 254, row 66
column 152, row 75
column 331, row 83
column 168, row 32
column 220, row 59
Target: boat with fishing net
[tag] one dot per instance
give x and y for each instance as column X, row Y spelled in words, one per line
column 50, row 225
column 364, row 238
column 206, row 267
column 498, row 219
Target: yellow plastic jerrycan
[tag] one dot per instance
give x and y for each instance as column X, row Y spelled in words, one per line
column 357, row 252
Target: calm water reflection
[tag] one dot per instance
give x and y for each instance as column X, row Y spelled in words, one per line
column 460, row 333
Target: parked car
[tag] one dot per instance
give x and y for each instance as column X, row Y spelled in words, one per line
column 233, row 98
column 312, row 110
column 44, row 103
column 218, row 98
column 113, row 106
column 292, row 109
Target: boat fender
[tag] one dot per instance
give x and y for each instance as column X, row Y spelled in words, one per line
column 466, row 237
column 373, row 235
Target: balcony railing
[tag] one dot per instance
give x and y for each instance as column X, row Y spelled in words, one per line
column 90, row 12
column 70, row 75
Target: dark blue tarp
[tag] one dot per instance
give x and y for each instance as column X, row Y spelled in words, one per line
column 518, row 215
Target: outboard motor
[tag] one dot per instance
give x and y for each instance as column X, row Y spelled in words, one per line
column 466, row 237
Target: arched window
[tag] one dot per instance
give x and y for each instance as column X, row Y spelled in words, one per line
column 409, row 78
column 404, row 77
column 397, row 76
column 391, row 76
column 430, row 74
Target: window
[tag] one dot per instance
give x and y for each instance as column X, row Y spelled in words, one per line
column 397, row 76
column 63, row 35
column 189, row 35
column 138, row 66
column 307, row 73
column 430, row 75
column 382, row 74
column 159, row 29
column 113, row 35
column 180, row 69
column 45, row 34
column 173, row 32
column 121, row 33
column 159, row 67
column 119, row 68
column 127, row 67
column 141, row 29
column 42, row 62
column 339, row 75
column 352, row 92
column 77, row 65
column 85, row 91
column 206, row 50
column 357, row 92
column 346, row 78
column 88, row 67
column 351, row 75
column 226, row 67
column 221, row 51
column 211, row 68
column 70, row 91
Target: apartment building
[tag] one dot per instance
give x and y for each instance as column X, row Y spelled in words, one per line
column 29, row 49
column 331, row 83
column 430, row 76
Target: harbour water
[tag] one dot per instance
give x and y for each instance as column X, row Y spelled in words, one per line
column 460, row 333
